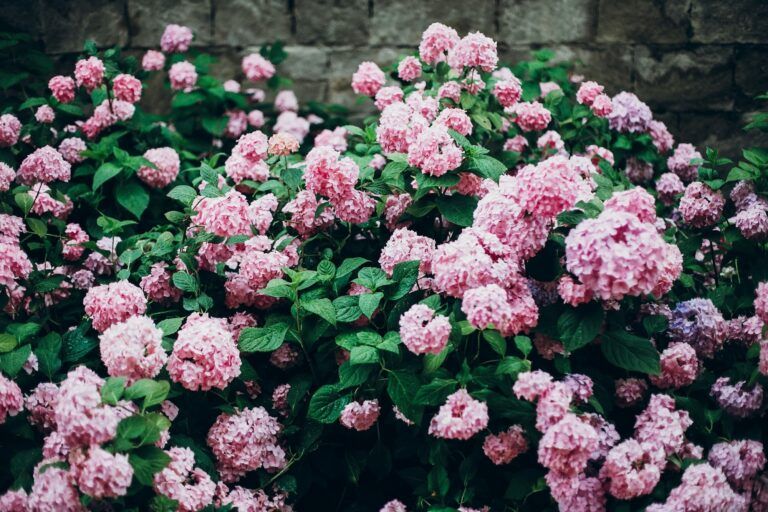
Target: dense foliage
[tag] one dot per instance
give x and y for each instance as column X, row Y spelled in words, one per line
column 506, row 290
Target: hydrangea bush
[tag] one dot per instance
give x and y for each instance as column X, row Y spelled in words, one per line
column 506, row 290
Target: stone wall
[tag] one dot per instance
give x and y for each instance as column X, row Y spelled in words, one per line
column 699, row 63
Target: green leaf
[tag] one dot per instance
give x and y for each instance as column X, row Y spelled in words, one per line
column 170, row 325
column 369, row 302
column 512, row 366
column 372, row 278
column 146, row 462
column 402, row 386
column 354, row 375
column 112, row 390
column 133, row 197
column 327, row 403
column 457, row 208
column 262, row 339
column 215, row 125
column 37, row 226
column 7, row 342
column 322, row 308
column 24, row 201
column 496, row 341
column 347, row 308
column 579, row 326
column 12, row 362
column 405, row 274
column 435, row 392
column 104, row 173
column 184, row 281
column 487, row 166
column 630, row 352
column 363, row 354
column 152, row 391
column 183, row 193
column 655, row 323
column 76, row 345
column 523, row 344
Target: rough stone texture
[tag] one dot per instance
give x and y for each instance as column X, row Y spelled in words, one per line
column 643, row 21
column 400, row 23
column 66, row 25
column 248, row 22
column 148, row 19
column 698, row 63
column 553, row 21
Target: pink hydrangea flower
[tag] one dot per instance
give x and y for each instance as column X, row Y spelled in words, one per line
column 167, row 164
column 181, row 481
column 679, row 367
column 508, row 92
column 62, row 88
column 283, row 144
column 517, row 144
column 360, row 416
column 577, row 492
column 126, row 88
column 566, row 447
column 737, row 399
column 292, row 124
column 176, row 39
column 245, row 441
column 133, row 349
column 406, row 245
column 54, row 491
column 7, row 175
column 104, row 475
column 434, row 151
column 45, row 114
column 587, row 92
column 701, row 206
column 505, row 446
column 761, row 301
column 511, row 312
column 71, row 149
column 602, row 106
column 549, row 188
column 40, row 404
column 531, row 116
column 113, row 303
column 393, row 506
column 629, row 114
column 368, row 79
column 257, row 68
column 43, row 165
column 553, row 404
column 336, row 139
column 11, row 399
column 475, row 50
column 205, row 355
column 327, row 174
column 633, row 469
column 661, row 425
column 740, row 461
column 153, row 60
column 10, row 127
column 409, row 69
column 703, row 488
column 630, row 392
column 436, row 41
column 183, row 76
column 456, row 119
column 387, row 96
column 423, row 332
column 304, row 217
column 680, row 162
column 660, row 136
column 669, row 186
column 461, row 417
column 256, row 118
column 395, row 207
column 286, row 101
column 450, row 90
column 89, row 73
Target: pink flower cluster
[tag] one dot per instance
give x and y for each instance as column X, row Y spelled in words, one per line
column 109, row 304
column 360, row 416
column 423, row 332
column 133, row 349
column 460, row 417
column 181, row 481
column 166, row 167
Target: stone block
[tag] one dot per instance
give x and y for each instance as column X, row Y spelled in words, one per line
column 148, row 19
column 305, row 63
column 334, row 22
column 752, row 70
column 697, row 79
column 67, row 25
column 643, row 21
column 740, row 21
column 251, row 22
column 401, row 22
column 721, row 130
column 23, row 16
column 553, row 21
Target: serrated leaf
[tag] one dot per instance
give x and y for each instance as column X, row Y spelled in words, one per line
column 262, row 339
column 327, row 403
column 322, row 308
column 133, row 197
column 183, row 193
column 368, row 302
column 630, row 352
column 457, row 208
column 579, row 326
column 184, row 281
column 104, row 173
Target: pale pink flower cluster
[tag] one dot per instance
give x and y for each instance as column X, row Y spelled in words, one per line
column 176, row 39
column 133, row 349
column 10, row 127
column 406, row 245
column 680, row 162
column 126, row 88
column 436, row 41
column 183, row 76
column 368, row 79
column 456, row 119
column 89, row 73
column 237, row 123
column 508, row 92
column 71, row 149
column 409, row 69
column 703, row 488
column 286, row 101
column 630, row 392
column 738, row 399
column 153, row 60
column 504, row 447
column 661, row 425
column 113, row 303
column 45, row 114
column 108, row 113
column 460, row 417
column 360, row 416
column 166, row 167
column 531, row 115
column 257, row 68
column 475, row 50
column 632, row 469
column 43, row 165
column 291, row 123
column 387, row 96
column 11, row 399
column 669, row 186
column 740, row 461
column 205, row 354
column 62, row 88
column 40, row 405
column 53, row 491
column 283, row 144
column 616, row 254
column 701, row 206
column 567, row 446
column 572, row 292
column 629, row 114
column 305, row 218
column 662, row 139
column 248, row 158
column 335, row 139
column 103, row 474
column 424, row 332
column 509, row 311
column 190, row 486
column 245, row 441
column 761, row 301
column 679, row 367
column 7, row 175
column 550, row 187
